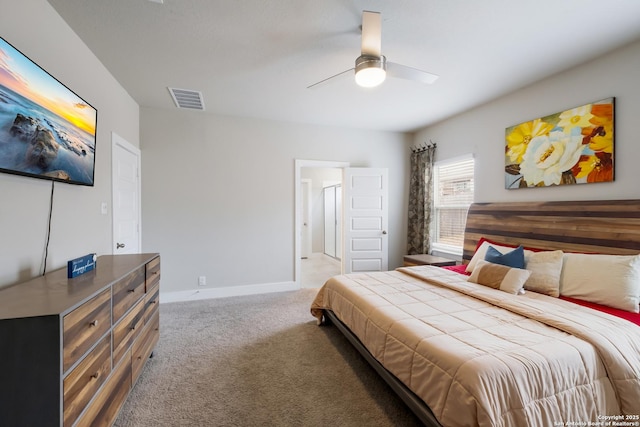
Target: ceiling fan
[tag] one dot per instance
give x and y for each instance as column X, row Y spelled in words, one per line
column 371, row 66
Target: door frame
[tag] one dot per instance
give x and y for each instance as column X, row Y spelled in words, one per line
column 119, row 143
column 306, row 233
column 299, row 164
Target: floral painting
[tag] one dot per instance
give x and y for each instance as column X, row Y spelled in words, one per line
column 571, row 147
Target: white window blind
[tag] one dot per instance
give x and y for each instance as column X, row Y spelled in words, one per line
column 453, row 193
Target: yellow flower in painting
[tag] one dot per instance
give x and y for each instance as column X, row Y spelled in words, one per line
column 603, row 140
column 597, row 168
column 548, row 156
column 601, row 135
column 576, row 117
column 519, row 138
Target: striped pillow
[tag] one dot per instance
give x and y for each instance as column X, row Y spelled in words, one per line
column 500, row 277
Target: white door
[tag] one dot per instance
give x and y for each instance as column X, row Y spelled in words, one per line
column 126, row 196
column 365, row 211
column 305, row 236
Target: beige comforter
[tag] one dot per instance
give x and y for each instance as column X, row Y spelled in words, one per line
column 479, row 356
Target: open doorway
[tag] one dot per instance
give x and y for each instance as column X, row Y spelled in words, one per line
column 314, row 263
column 332, row 218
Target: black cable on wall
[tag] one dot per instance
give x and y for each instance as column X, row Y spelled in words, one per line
column 46, row 246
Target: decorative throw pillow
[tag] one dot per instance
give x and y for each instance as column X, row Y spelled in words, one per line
column 611, row 280
column 514, row 259
column 499, row 276
column 481, row 251
column 545, row 268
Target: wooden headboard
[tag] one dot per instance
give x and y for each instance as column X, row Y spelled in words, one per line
column 602, row 226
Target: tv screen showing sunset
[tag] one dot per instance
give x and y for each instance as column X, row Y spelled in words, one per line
column 46, row 130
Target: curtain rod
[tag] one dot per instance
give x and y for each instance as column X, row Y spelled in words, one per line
column 423, row 147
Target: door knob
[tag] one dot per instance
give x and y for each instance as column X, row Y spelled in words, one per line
column 119, row 245
column 384, row 231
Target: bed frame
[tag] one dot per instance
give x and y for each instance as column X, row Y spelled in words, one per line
column 604, row 226
column 417, row 406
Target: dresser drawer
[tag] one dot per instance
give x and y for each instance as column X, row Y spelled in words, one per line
column 126, row 331
column 102, row 411
column 85, row 379
column 151, row 302
column 127, row 292
column 144, row 345
column 152, row 275
column 84, row 326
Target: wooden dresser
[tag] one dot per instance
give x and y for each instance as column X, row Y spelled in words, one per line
column 71, row 349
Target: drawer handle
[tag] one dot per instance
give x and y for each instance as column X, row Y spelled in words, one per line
column 152, row 302
column 95, row 376
column 133, row 328
column 94, row 323
column 131, row 290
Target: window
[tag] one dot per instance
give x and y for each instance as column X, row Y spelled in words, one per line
column 453, row 193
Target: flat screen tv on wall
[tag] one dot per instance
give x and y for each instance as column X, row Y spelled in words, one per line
column 46, row 130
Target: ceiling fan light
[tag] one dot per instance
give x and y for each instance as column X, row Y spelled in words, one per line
column 370, row 70
column 370, row 77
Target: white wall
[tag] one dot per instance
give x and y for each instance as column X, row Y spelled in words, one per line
column 481, row 130
column 218, row 192
column 78, row 227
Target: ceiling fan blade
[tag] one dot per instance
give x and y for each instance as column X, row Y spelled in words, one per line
column 325, row 81
column 371, row 33
column 409, row 73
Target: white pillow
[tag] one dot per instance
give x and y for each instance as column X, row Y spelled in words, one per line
column 497, row 276
column 482, row 251
column 612, row 280
column 545, row 267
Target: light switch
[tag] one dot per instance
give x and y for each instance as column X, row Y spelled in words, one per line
column 103, row 208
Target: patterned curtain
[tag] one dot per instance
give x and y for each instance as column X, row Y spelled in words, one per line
column 420, row 199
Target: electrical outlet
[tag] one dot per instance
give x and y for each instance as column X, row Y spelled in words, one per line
column 202, row 281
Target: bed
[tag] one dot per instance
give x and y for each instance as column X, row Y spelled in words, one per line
column 490, row 344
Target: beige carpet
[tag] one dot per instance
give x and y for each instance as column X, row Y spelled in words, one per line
column 257, row 361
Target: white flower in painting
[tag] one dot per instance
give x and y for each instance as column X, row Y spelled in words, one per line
column 576, row 118
column 547, row 156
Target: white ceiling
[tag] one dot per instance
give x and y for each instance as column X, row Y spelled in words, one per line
column 255, row 58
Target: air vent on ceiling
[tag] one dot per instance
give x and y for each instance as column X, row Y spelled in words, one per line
column 184, row 98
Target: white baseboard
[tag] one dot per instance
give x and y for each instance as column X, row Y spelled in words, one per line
column 229, row 291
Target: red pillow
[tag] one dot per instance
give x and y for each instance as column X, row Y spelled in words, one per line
column 509, row 245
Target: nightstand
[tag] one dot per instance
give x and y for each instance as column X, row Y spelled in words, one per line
column 424, row 259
